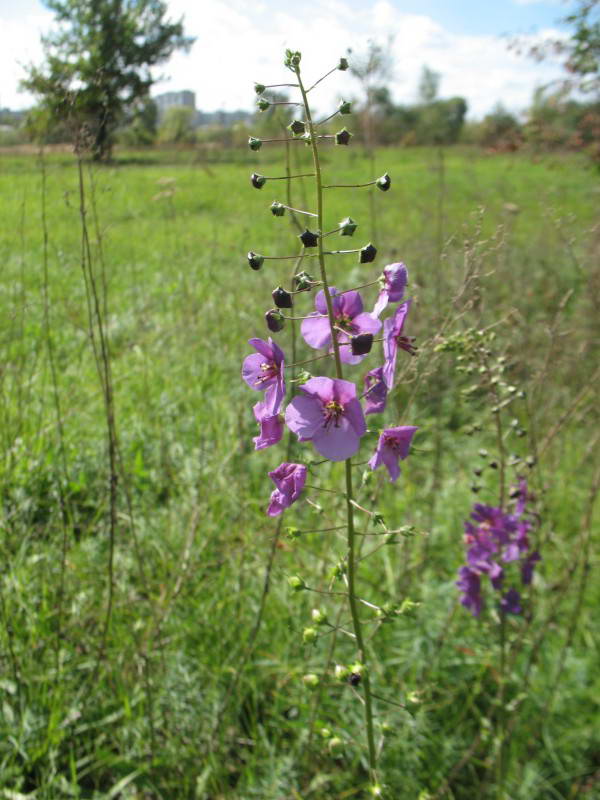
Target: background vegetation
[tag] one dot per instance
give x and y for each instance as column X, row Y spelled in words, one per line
column 126, row 429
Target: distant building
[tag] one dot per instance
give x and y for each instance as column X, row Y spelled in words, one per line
column 170, row 99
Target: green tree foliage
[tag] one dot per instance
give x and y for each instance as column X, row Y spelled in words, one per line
column 141, row 126
column 177, row 126
column 98, row 63
column 429, row 84
column 583, row 48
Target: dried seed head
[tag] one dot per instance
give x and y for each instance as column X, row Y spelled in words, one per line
column 367, row 254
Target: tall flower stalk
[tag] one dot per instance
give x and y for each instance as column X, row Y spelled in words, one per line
column 327, row 411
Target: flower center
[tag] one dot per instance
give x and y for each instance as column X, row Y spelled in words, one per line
column 345, row 323
column 268, row 371
column 333, row 411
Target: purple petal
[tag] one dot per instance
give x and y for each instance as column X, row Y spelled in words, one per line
column 396, row 278
column 354, row 414
column 351, row 304
column 304, row 416
column 380, row 303
column 321, row 302
column 271, row 427
column 252, row 372
column 323, row 388
column 337, row 443
column 264, row 348
column 316, row 332
column 366, row 323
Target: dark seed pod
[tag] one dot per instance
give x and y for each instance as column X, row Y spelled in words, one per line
column 347, row 227
column 354, row 679
column 343, row 65
column 263, row 104
column 258, row 181
column 297, row 127
column 277, row 209
column 361, row 344
column 343, row 136
column 309, row 239
column 259, row 88
column 281, row 298
column 384, row 182
column 254, row 143
column 255, row 260
column 344, row 107
column 367, row 254
column 274, row 320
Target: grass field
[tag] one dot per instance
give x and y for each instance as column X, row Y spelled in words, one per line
column 128, row 462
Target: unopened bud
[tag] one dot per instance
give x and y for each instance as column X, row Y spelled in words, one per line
column 258, row 181
column 277, row 209
column 311, row 681
column 309, row 239
column 384, row 182
column 343, row 136
column 281, row 298
column 343, row 64
column 296, row 584
column 309, row 635
column 255, row 260
column 254, row 143
column 347, row 227
column 325, row 733
column 274, row 320
column 367, row 254
column 344, row 107
column 334, row 743
column 361, row 344
column 318, row 616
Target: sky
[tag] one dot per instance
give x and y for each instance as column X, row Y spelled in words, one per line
column 239, row 42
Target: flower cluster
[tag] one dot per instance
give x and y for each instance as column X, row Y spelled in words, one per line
column 494, row 537
column 328, row 411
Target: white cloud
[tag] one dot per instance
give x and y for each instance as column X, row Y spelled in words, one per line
column 238, row 43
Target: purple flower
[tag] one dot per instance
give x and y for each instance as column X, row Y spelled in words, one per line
column 393, row 339
column 375, row 391
column 328, row 414
column 264, row 370
column 289, row 480
column 510, row 603
column 394, row 280
column 470, row 585
column 527, row 567
column 271, row 427
column 393, row 446
column 349, row 316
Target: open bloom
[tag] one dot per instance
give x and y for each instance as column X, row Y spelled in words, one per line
column 289, row 480
column 271, row 427
column 393, row 338
column 394, row 280
column 349, row 318
column 328, row 413
column 375, row 391
column 469, row 584
column 392, row 447
column 264, row 371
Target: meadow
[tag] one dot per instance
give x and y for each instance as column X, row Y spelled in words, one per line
column 150, row 645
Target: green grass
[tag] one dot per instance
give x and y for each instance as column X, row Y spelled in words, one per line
column 174, row 705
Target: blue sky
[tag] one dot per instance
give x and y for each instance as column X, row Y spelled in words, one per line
column 239, row 42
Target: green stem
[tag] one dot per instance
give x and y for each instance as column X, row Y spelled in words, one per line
column 351, row 574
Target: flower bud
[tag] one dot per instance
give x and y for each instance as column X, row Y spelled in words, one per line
column 344, row 107
column 309, row 635
column 343, row 64
column 258, row 181
column 277, row 209
column 309, row 239
column 254, row 143
column 263, row 104
column 334, row 743
column 311, row 681
column 341, row 672
column 292, row 59
column 361, row 344
column 384, row 182
column 259, row 88
column 325, row 733
column 274, row 320
column 347, row 227
column 297, row 127
column 343, row 136
column 303, row 281
column 318, row 616
column 296, row 584
column 255, row 260
column 281, row 298
column 367, row 254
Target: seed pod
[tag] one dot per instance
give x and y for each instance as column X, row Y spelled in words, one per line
column 347, row 227
column 384, row 182
column 344, row 107
column 274, row 320
column 367, row 254
column 258, row 181
column 343, row 65
column 281, row 298
column 303, row 282
column 343, row 136
column 263, row 104
column 259, row 88
column 277, row 209
column 361, row 344
column 309, row 239
column 297, row 127
column 254, row 143
column 255, row 260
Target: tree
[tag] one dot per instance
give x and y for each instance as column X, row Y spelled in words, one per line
column 429, row 84
column 97, row 65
